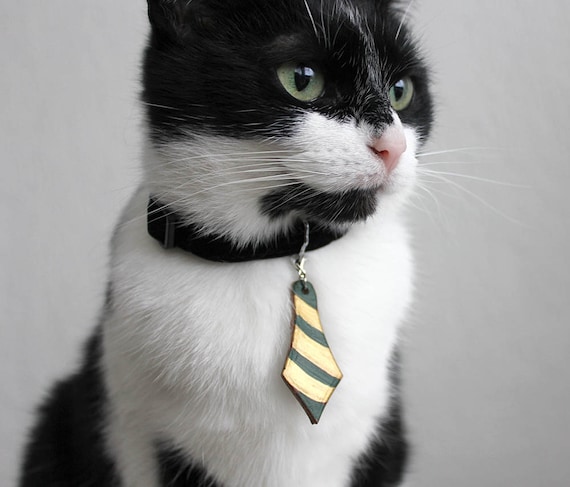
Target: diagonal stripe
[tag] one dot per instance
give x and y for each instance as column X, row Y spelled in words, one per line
column 314, row 371
column 308, row 313
column 303, row 382
column 313, row 333
column 314, row 409
column 316, row 353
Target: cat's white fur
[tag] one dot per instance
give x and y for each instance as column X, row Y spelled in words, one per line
column 193, row 349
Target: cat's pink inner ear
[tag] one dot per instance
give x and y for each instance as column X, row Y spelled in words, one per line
column 390, row 146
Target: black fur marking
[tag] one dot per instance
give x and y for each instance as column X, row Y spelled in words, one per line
column 167, row 18
column 384, row 464
column 66, row 447
column 176, row 471
column 325, row 208
column 167, row 228
column 210, row 66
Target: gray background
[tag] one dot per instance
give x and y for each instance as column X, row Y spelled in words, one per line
column 486, row 348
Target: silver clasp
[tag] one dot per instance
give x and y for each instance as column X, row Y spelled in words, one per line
column 300, row 261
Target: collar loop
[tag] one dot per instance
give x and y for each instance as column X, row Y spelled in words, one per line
column 165, row 226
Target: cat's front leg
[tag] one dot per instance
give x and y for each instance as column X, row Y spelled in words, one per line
column 132, row 448
column 129, row 432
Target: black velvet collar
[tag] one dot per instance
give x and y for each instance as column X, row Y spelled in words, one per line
column 166, row 227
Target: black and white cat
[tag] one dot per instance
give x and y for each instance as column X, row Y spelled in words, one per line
column 262, row 115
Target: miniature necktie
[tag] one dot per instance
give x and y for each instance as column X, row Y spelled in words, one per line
column 310, row 370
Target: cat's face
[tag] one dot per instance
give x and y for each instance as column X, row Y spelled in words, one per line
column 263, row 112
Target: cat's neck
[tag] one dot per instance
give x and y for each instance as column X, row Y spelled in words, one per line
column 169, row 229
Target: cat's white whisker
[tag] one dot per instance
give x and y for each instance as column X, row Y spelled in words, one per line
column 315, row 30
column 293, row 195
column 276, row 170
column 421, row 209
column 268, row 187
column 284, row 180
column 475, row 196
column 229, row 155
column 453, row 151
column 429, row 172
column 440, row 163
column 430, row 192
column 403, row 20
column 156, row 105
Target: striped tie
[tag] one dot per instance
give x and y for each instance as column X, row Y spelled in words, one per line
column 310, row 371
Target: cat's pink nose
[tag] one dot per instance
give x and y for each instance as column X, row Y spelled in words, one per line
column 390, row 146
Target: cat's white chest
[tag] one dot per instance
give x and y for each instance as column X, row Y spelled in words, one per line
column 195, row 351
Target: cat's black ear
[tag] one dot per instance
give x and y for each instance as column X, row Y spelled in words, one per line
column 168, row 19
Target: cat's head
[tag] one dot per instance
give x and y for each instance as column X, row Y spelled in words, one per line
column 262, row 113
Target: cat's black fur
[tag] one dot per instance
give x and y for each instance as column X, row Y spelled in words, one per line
column 217, row 68
column 67, row 443
column 209, row 68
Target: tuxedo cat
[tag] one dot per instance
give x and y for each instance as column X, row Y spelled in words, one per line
column 276, row 129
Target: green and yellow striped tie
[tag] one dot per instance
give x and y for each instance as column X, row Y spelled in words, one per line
column 310, row 371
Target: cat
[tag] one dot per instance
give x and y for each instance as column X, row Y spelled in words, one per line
column 275, row 130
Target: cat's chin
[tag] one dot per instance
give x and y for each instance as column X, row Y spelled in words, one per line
column 337, row 209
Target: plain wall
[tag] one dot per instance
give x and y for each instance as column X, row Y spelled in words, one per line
column 486, row 349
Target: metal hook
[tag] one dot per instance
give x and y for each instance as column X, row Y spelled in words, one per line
column 300, row 261
column 305, row 242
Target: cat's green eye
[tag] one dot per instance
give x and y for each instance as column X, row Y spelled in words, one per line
column 303, row 82
column 401, row 94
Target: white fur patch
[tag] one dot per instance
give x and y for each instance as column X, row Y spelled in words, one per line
column 194, row 349
column 336, row 156
column 218, row 182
